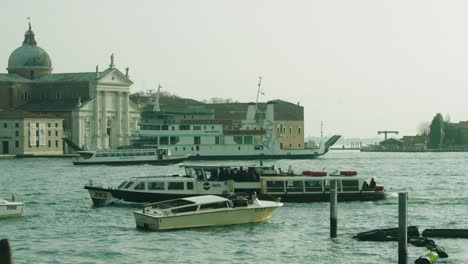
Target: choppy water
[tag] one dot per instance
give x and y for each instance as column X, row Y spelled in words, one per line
column 60, row 226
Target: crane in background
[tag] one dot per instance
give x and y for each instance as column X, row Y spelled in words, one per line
column 385, row 132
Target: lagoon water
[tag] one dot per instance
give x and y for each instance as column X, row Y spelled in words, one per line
column 60, row 225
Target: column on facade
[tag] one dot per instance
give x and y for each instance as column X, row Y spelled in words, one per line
column 125, row 118
column 96, row 141
column 120, row 97
column 103, row 120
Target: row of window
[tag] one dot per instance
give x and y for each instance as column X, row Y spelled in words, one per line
column 166, row 127
column 282, row 130
column 122, row 154
column 37, row 144
column 310, row 186
column 158, row 186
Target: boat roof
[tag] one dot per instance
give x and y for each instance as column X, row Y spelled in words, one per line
column 220, row 166
column 205, row 199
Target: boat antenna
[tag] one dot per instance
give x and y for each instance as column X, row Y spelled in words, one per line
column 156, row 106
column 259, row 90
column 321, row 133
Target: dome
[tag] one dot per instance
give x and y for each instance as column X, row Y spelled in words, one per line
column 29, row 56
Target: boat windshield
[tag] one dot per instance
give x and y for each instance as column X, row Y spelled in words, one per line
column 171, row 204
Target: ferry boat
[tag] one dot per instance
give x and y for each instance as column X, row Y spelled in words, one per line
column 272, row 130
column 10, row 208
column 128, row 157
column 269, row 184
column 203, row 211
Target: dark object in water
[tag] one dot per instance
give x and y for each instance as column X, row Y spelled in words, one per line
column 437, row 249
column 427, row 258
column 388, row 234
column 420, row 241
column 5, row 252
column 446, row 233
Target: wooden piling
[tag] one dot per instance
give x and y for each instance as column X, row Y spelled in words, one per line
column 402, row 228
column 333, row 209
column 5, row 252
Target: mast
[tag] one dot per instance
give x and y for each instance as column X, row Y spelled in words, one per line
column 156, row 106
column 258, row 93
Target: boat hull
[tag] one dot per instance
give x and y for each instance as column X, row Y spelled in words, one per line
column 130, row 162
column 255, row 157
column 11, row 210
column 205, row 219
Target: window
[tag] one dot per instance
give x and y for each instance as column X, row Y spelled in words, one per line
column 248, row 140
column 196, row 127
column 156, row 186
column 290, row 130
column 50, row 144
column 295, row 186
column 197, row 140
column 212, row 206
column 164, row 127
column 17, row 143
column 184, row 127
column 37, row 143
column 48, row 133
column 187, row 209
column 48, row 124
column 56, row 124
column 352, row 185
column 275, row 186
column 189, row 185
column 174, row 140
column 128, row 185
column 56, row 143
column 5, row 125
column 173, row 128
column 313, row 186
column 164, row 140
column 17, row 133
column 217, row 140
column 175, row 186
column 17, row 125
column 299, row 130
column 56, row 133
column 238, row 139
column 140, row 186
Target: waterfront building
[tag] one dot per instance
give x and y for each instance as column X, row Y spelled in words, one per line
column 24, row 133
column 94, row 106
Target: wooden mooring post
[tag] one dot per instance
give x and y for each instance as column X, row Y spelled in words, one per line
column 333, row 209
column 5, row 252
column 402, row 228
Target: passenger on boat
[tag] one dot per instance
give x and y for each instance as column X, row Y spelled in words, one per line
column 372, row 183
column 365, row 186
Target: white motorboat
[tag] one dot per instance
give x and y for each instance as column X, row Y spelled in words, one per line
column 10, row 208
column 128, row 157
column 203, row 211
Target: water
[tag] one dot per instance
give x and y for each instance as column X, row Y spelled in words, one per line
column 61, row 226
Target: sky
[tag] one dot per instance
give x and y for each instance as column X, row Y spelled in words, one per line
column 357, row 65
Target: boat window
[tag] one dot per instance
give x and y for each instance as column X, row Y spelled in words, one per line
column 140, row 186
column 352, row 185
column 121, row 185
column 164, row 140
column 295, row 186
column 175, row 186
column 128, row 185
column 189, row 185
column 248, row 140
column 313, row 186
column 156, row 186
column 172, row 203
column 275, row 186
column 212, row 206
column 187, row 209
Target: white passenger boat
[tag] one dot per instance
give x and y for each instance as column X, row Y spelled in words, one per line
column 202, row 211
column 10, row 208
column 269, row 184
column 128, row 157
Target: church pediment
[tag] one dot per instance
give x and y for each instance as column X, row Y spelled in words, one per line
column 114, row 77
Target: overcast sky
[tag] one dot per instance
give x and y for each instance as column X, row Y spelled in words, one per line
column 360, row 66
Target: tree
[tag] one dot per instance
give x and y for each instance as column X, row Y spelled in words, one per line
column 437, row 131
column 424, row 128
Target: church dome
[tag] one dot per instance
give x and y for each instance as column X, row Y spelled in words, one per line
column 29, row 56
